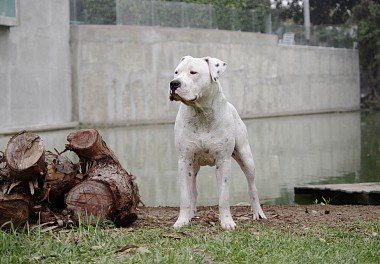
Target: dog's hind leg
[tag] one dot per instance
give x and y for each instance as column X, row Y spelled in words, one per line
column 243, row 156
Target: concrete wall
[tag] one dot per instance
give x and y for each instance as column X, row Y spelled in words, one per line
column 35, row 76
column 121, row 73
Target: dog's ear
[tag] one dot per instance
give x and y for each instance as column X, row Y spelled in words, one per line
column 216, row 66
column 186, row 57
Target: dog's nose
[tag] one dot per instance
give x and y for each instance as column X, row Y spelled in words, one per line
column 174, row 85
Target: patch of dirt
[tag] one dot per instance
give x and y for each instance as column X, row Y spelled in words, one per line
column 283, row 215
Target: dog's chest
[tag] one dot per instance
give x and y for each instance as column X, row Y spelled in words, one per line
column 206, row 148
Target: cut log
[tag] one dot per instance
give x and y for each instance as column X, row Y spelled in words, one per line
column 90, row 201
column 89, row 145
column 61, row 176
column 25, row 156
column 15, row 208
column 108, row 194
column 110, row 191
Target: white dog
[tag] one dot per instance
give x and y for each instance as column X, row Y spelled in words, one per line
column 208, row 131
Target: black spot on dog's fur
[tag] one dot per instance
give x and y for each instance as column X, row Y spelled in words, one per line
column 217, row 65
column 189, row 174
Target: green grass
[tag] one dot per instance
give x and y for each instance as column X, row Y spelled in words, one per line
column 350, row 243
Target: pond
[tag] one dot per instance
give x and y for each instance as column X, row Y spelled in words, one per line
column 288, row 151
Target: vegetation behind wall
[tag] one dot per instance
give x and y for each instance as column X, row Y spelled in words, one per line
column 367, row 16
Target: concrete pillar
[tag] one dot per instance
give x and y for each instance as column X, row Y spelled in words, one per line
column 306, row 15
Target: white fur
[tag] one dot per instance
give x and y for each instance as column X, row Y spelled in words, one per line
column 209, row 131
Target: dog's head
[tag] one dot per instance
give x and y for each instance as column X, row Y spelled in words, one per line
column 193, row 77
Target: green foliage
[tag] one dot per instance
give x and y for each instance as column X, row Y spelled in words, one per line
column 367, row 16
column 331, row 12
column 100, row 12
column 245, row 15
column 321, row 12
column 342, row 36
column 242, row 4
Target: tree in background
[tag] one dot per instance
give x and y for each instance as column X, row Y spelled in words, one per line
column 367, row 16
column 346, row 13
column 322, row 12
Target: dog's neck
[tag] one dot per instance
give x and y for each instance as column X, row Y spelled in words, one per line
column 208, row 105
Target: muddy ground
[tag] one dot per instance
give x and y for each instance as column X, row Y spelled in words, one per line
column 283, row 215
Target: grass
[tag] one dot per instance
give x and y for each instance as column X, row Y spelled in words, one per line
column 357, row 242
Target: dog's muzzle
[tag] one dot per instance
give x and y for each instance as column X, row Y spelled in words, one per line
column 174, row 85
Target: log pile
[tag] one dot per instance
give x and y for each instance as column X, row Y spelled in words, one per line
column 39, row 185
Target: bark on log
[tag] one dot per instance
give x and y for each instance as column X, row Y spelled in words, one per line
column 61, row 176
column 110, row 191
column 4, row 170
column 25, row 156
column 15, row 208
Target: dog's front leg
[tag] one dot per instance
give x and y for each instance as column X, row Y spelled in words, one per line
column 223, row 171
column 186, row 211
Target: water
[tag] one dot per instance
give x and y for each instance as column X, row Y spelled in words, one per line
column 288, row 151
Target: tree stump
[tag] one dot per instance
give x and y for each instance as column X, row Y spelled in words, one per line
column 15, row 208
column 25, row 156
column 110, row 191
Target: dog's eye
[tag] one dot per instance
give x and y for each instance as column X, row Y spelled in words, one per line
column 193, row 72
column 176, row 72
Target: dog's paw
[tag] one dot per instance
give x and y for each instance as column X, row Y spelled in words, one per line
column 258, row 214
column 228, row 224
column 181, row 222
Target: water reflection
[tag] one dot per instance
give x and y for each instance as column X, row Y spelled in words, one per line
column 287, row 151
